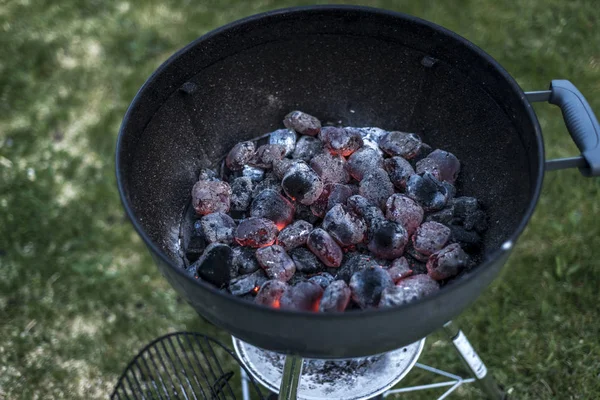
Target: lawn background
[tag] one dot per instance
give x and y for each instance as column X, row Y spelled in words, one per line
column 79, row 294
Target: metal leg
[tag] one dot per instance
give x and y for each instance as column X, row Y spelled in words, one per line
column 471, row 359
column 292, row 370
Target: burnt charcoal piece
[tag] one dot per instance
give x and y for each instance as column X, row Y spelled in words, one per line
column 399, row 171
column 469, row 240
column 408, row 290
column 340, row 141
column 410, row 251
column 338, row 194
column 354, row 262
column 207, row 175
column 319, row 207
column 447, row 262
column 211, row 196
column 195, row 246
column 405, row 145
column 430, row 193
column 330, row 168
column 345, row 227
column 294, row 235
column 281, row 167
column 302, row 184
column 424, row 151
column 247, row 283
column 376, row 187
column 306, row 148
column 243, row 260
column 285, row 138
column 444, row 216
column 387, row 240
column 335, row 297
column 371, row 137
column 304, row 296
column 399, row 269
column 364, row 208
column 364, row 161
column 441, row 164
column 430, row 237
column 240, row 155
column 366, row 286
column 306, row 262
column 270, row 293
column 256, row 232
column 271, row 205
column 255, row 174
column 302, row 123
column 213, row 266
column 323, row 279
column 304, row 213
column 218, row 227
column 325, row 248
column 276, row 263
column 269, row 181
column 405, row 211
column 266, row 154
column 297, row 278
column 241, row 193
column 468, row 212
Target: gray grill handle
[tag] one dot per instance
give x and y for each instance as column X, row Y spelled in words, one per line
column 581, row 123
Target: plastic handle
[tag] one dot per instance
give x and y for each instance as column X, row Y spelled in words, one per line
column 580, row 121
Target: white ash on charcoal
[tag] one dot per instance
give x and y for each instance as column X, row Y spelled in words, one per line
column 330, row 168
column 302, row 123
column 328, row 218
column 335, row 297
column 276, row 262
column 294, row 235
column 218, row 227
column 324, row 279
column 340, row 141
column 285, row 138
column 307, row 147
column 408, row 290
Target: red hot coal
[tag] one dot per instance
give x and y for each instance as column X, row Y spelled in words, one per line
column 332, row 218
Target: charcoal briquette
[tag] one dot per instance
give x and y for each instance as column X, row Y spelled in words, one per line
column 254, row 173
column 306, row 148
column 399, row 171
column 302, row 184
column 447, row 262
column 218, row 227
column 239, row 155
column 276, row 262
column 405, row 211
column 364, row 208
column 304, row 296
column 302, row 123
column 211, row 196
column 323, row 279
column 241, row 193
column 294, row 235
column 285, row 138
column 403, row 144
column 325, row 248
column 330, row 168
column 340, row 141
column 366, row 286
column 256, row 232
column 399, row 269
column 266, row 154
column 243, row 260
column 213, row 265
column 363, row 161
column 344, row 226
column 338, row 194
column 335, row 297
column 270, row 293
column 408, row 290
column 441, row 164
column 387, row 240
column 354, row 262
column 271, row 205
column 247, row 283
column 305, row 261
column 376, row 187
column 430, row 237
column 426, row 190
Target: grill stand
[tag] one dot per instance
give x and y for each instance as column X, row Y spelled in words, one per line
column 293, row 369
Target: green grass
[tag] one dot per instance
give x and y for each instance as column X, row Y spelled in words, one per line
column 79, row 293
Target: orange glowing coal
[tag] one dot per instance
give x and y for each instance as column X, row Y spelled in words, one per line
column 256, row 289
column 276, row 304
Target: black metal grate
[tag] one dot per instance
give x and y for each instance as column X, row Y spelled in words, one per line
column 183, row 365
